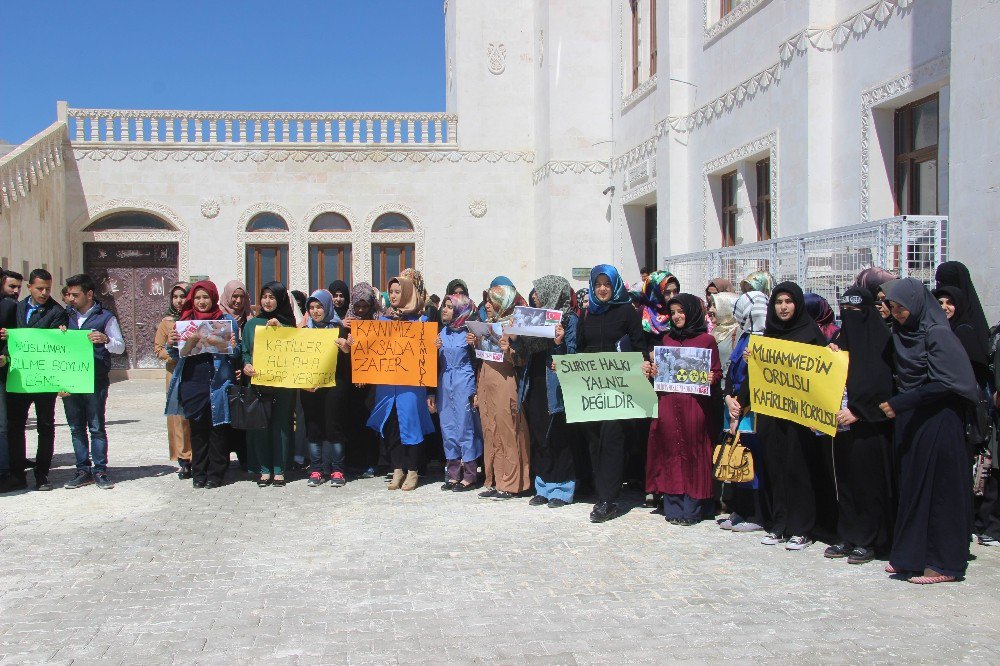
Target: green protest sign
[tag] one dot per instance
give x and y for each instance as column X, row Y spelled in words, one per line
column 605, row 387
column 49, row 360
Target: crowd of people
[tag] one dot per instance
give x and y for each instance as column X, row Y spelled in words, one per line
column 906, row 478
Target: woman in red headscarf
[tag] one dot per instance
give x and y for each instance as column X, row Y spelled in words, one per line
column 199, row 386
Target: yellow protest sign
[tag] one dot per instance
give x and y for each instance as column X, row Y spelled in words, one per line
column 300, row 358
column 798, row 382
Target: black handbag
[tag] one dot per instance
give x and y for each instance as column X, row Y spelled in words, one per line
column 248, row 409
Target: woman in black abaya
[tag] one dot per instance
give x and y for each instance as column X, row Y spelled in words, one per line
column 863, row 445
column 936, row 384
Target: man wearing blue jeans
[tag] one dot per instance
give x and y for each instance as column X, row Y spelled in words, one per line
column 85, row 411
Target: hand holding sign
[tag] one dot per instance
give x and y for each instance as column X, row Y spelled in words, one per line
column 50, row 361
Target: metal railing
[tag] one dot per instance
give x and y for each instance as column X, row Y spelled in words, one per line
column 825, row 262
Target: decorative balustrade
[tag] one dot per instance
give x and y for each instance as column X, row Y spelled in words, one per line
column 28, row 164
column 423, row 130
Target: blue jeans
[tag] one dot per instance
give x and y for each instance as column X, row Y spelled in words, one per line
column 85, row 415
column 4, row 446
column 327, row 457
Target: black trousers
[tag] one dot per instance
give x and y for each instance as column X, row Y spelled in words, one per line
column 209, row 449
column 18, row 405
column 793, row 503
column 408, row 458
column 987, row 519
column 863, row 459
column 606, row 440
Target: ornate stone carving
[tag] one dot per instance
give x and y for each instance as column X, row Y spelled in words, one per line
column 743, row 92
column 568, row 166
column 294, row 238
column 97, row 209
column 826, row 38
column 768, row 143
column 724, row 24
column 478, row 208
column 496, row 52
column 645, row 150
column 646, row 87
column 210, row 208
column 639, row 192
column 922, row 75
column 300, row 155
column 451, row 73
column 28, row 164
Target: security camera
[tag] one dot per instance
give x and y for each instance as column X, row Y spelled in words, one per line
column 610, row 189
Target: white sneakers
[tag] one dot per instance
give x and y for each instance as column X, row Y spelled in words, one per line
column 794, row 543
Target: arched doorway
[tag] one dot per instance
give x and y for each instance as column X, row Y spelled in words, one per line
column 133, row 279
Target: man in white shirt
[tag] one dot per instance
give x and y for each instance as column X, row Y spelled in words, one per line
column 85, row 411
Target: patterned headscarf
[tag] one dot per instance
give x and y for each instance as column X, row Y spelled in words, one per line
column 363, row 291
column 417, row 278
column 655, row 315
column 463, row 309
column 619, row 292
column 554, row 293
column 503, row 298
column 761, row 281
column 750, row 311
column 872, row 279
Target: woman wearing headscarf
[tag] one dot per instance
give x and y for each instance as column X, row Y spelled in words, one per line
column 269, row 448
column 198, row 389
column 679, row 457
column 936, row 386
column 611, row 325
column 363, row 445
column 461, row 432
column 498, row 281
column 821, row 312
column 401, row 415
column 178, row 428
column 787, row 445
column 977, row 340
column 719, row 285
column 582, row 301
column 340, row 295
column 540, row 396
column 761, row 281
column 727, row 330
column 746, row 502
column 863, row 445
column 457, row 287
column 323, row 407
column 505, row 428
column 235, row 301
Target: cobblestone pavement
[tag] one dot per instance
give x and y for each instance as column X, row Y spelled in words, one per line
column 154, row 572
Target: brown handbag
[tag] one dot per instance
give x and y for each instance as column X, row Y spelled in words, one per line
column 731, row 461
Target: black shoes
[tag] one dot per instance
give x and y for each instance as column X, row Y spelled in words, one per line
column 603, row 511
column 502, row 495
column 488, row 493
column 209, row 485
column 464, row 487
column 42, row 483
column 278, row 483
column 197, row 484
column 556, row 503
column 537, row 500
column 9, row 483
column 449, row 485
column 82, row 478
column 184, row 472
column 102, row 481
column 860, row 555
column 839, row 550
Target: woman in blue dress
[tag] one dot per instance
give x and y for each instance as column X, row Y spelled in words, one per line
column 400, row 414
column 460, row 429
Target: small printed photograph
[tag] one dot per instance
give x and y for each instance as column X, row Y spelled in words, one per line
column 487, row 340
column 682, row 370
column 212, row 336
column 536, row 322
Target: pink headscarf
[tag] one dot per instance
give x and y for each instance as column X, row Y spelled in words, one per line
column 227, row 295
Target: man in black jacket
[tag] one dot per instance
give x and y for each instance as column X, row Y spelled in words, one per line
column 38, row 310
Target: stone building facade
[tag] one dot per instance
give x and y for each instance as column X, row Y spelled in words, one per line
column 575, row 132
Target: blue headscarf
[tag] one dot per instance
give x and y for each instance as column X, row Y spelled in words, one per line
column 619, row 294
column 500, row 280
column 324, row 298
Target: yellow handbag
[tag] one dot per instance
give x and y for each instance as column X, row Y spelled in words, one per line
column 731, row 461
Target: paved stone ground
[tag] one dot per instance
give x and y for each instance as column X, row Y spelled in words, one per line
column 155, row 572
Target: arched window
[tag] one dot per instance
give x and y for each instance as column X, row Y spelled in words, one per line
column 267, row 222
column 135, row 220
column 392, row 222
column 330, row 222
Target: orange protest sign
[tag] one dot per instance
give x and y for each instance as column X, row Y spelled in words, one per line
column 402, row 353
